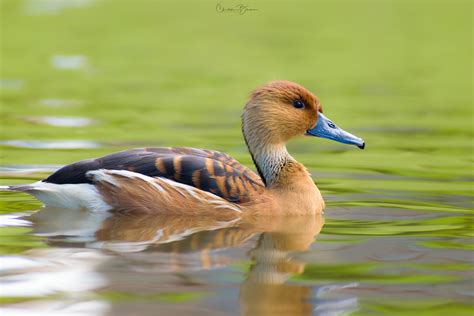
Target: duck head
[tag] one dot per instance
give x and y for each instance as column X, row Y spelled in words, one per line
column 281, row 110
column 277, row 112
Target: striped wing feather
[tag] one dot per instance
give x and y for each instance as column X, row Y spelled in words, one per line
column 208, row 170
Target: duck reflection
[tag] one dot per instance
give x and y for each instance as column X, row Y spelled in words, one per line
column 183, row 244
column 265, row 291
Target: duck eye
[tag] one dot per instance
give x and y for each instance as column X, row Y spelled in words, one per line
column 298, row 104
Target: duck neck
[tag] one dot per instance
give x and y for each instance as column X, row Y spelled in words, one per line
column 270, row 160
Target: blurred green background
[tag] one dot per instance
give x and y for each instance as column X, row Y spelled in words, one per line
column 397, row 73
column 178, row 73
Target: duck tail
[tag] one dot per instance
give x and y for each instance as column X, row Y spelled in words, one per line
column 16, row 188
column 82, row 195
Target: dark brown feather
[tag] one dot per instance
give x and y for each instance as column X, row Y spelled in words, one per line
column 208, row 170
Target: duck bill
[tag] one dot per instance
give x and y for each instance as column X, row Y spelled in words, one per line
column 325, row 128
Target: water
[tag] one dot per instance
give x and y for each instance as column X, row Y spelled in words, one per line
column 398, row 252
column 396, row 236
column 61, row 121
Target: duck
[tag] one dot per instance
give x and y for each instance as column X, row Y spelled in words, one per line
column 202, row 182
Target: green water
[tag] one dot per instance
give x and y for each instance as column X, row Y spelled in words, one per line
column 398, row 228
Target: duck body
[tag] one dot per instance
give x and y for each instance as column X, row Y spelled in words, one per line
column 192, row 181
column 176, row 180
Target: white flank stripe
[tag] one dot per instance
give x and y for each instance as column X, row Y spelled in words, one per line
column 189, row 189
column 108, row 176
column 229, row 206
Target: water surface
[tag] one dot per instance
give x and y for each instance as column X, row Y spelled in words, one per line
column 396, row 236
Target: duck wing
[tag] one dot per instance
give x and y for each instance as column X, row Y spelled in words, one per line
column 207, row 170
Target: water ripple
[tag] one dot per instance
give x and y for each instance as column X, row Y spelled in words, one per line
column 62, row 121
column 53, row 144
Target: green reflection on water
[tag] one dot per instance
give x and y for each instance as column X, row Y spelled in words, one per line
column 17, row 240
column 366, row 272
column 170, row 297
column 395, row 73
column 453, row 226
column 418, row 307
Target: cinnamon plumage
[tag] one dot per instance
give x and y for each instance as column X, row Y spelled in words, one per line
column 205, row 182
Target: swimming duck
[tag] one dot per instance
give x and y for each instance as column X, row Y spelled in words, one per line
column 194, row 181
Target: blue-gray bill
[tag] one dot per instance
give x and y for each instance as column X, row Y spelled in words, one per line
column 325, row 128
